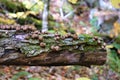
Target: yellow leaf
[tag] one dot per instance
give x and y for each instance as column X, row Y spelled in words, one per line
column 6, row 21
column 12, row 15
column 73, row 1
column 115, row 3
column 116, row 28
column 109, row 46
column 20, row 14
column 83, row 78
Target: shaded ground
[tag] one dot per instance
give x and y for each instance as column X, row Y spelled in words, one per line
column 58, row 73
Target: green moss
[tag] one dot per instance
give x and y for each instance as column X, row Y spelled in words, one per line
column 85, row 45
column 30, row 50
column 13, row 6
column 30, row 20
column 117, row 39
column 114, row 60
column 32, row 47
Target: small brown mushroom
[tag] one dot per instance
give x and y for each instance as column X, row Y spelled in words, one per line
column 42, row 44
column 25, row 28
column 55, row 48
column 75, row 37
column 27, row 37
column 45, row 32
column 57, row 38
column 3, row 27
column 7, row 27
column 18, row 28
column 12, row 27
column 40, row 38
column 62, row 37
column 98, row 41
column 36, row 32
column 33, row 28
column 95, row 38
column 118, row 51
column 68, row 35
column 103, row 47
column 34, row 36
column 104, row 44
column 56, row 35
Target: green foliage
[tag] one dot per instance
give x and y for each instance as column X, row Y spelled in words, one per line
column 117, row 40
column 114, row 61
column 2, row 73
column 34, row 79
column 51, row 31
column 76, row 68
column 94, row 24
column 12, row 6
column 31, row 50
column 23, row 74
column 30, row 20
column 117, row 46
column 67, row 7
column 20, row 74
column 114, row 58
column 82, row 23
column 36, row 5
column 95, row 77
column 84, row 37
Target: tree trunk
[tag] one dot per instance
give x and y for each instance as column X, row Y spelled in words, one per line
column 45, row 16
column 27, row 47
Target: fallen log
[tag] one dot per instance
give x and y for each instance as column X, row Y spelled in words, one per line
column 24, row 45
column 54, row 59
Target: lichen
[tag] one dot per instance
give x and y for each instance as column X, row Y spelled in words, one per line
column 33, row 46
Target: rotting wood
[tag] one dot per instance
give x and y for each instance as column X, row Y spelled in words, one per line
column 24, row 45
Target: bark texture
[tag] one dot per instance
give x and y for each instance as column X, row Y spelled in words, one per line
column 24, row 45
column 54, row 59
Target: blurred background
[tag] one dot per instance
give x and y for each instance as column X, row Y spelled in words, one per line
column 62, row 16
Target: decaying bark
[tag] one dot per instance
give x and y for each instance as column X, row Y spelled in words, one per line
column 54, row 59
column 24, row 46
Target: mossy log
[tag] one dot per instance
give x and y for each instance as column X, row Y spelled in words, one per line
column 22, row 21
column 24, row 45
column 35, row 21
column 12, row 6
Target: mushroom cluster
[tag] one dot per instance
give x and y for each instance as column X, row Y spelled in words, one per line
column 55, row 48
column 34, row 35
column 18, row 27
column 99, row 41
column 68, row 35
column 37, row 35
column 56, row 38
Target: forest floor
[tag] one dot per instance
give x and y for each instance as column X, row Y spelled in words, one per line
column 57, row 73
